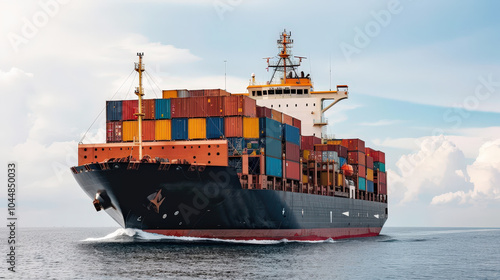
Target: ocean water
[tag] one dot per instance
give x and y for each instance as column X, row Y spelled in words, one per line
column 110, row 253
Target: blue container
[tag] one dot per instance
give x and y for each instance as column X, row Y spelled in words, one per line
column 215, row 128
column 274, row 167
column 370, row 186
column 271, row 147
column 291, row 134
column 162, row 109
column 180, row 129
column 379, row 165
column 362, row 184
column 342, row 161
column 113, row 111
column 269, row 128
column 235, row 146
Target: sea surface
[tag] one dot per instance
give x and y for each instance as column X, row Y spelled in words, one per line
column 111, row 253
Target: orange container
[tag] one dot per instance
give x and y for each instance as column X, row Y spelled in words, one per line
column 251, row 127
column 287, row 119
column 197, row 128
column 163, row 130
column 167, row 94
column 131, row 130
column 233, row 126
column 276, row 115
column 148, row 106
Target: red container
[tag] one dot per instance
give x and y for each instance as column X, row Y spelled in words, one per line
column 148, row 130
column 345, row 143
column 356, row 145
column 292, row 151
column 382, row 177
column 239, row 106
column 356, row 158
column 114, row 132
column 341, row 150
column 287, row 119
column 307, row 142
column 214, row 106
column 129, row 108
column 359, row 170
column 233, row 126
column 382, row 188
column 196, row 93
column 148, row 109
column 292, row 170
column 216, row 92
column 179, row 107
column 264, row 112
column 369, row 162
column 378, row 156
column 321, row 147
column 197, row 107
column 297, row 123
column 370, row 152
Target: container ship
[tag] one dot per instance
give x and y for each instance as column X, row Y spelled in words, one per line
column 256, row 165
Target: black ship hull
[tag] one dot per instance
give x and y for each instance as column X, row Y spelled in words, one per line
column 209, row 202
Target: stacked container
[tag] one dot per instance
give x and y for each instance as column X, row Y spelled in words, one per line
column 379, row 172
column 357, row 158
column 270, row 135
column 291, row 144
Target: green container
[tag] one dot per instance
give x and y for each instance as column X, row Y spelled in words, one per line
column 362, row 184
column 379, row 166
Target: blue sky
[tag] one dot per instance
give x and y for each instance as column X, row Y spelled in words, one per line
column 424, row 81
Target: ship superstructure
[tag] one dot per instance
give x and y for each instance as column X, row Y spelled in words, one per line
column 207, row 163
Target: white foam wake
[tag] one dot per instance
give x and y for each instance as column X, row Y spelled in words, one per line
column 137, row 235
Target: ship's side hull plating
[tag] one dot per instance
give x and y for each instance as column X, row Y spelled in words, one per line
column 199, row 201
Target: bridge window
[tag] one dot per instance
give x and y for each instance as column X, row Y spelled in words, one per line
column 279, row 91
column 264, row 92
column 294, row 91
column 287, row 91
column 259, row 93
column 306, row 91
column 271, row 91
column 299, row 91
column 253, row 92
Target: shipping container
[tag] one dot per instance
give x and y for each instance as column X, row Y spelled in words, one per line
column 369, row 162
column 274, row 166
column 129, row 108
column 359, row 170
column 369, row 186
column 291, row 134
column 286, row 119
column 197, row 107
column 376, row 155
column 276, row 115
column 196, row 93
column 305, row 179
column 297, row 123
column 382, row 177
column 215, row 128
column 182, row 93
column 179, row 129
column 356, row 145
column 356, row 158
column 340, row 181
column 250, row 127
column 361, row 184
column 216, row 92
column 162, row 109
column 308, row 142
column 197, row 128
column 292, row 151
column 321, row 147
column 305, row 154
column 163, row 129
column 113, row 111
column 342, row 161
column 167, row 94
column 292, row 170
column 254, row 165
column 379, row 166
column 235, row 146
column 113, row 132
column 131, row 131
column 382, row 188
column 345, row 143
column 326, row 179
column 148, row 106
column 271, row 147
column 369, row 174
column 239, row 106
column 214, row 106
column 270, row 128
column 341, row 150
column 233, row 127
column 179, row 108
column 264, row 112
column 335, row 142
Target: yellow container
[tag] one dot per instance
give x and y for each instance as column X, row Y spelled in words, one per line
column 251, row 127
column 324, row 179
column 169, row 94
column 369, row 174
column 340, row 182
column 305, row 179
column 130, row 131
column 334, row 142
column 306, row 155
column 197, row 128
column 163, row 130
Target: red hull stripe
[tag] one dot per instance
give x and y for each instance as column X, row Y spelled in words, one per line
column 272, row 234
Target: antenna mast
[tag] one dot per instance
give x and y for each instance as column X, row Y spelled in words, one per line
column 139, row 67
